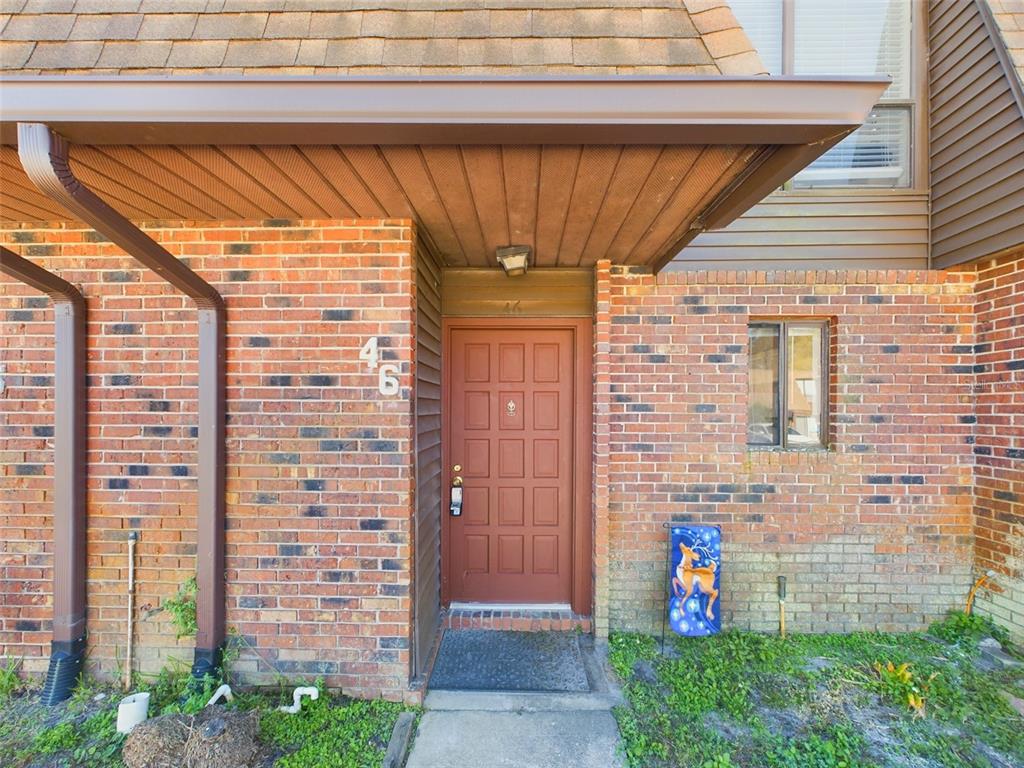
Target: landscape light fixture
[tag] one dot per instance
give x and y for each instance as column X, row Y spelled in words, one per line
column 514, row 259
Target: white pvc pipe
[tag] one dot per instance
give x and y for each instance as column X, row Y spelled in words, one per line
column 297, row 695
column 224, row 691
column 131, row 711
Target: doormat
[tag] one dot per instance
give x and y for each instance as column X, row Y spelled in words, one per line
column 490, row 660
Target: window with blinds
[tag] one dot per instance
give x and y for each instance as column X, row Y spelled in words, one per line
column 839, row 37
column 762, row 21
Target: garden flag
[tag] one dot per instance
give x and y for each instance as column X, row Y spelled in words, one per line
column 693, row 607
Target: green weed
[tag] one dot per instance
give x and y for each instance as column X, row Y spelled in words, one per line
column 332, row 734
column 182, row 608
column 739, row 700
column 10, row 683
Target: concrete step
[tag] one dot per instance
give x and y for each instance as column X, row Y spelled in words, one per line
column 519, row 701
column 473, row 739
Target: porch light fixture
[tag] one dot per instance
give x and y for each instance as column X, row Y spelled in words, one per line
column 514, row 259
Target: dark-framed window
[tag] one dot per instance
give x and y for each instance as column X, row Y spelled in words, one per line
column 846, row 37
column 787, row 404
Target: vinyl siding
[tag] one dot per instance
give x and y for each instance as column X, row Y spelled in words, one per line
column 824, row 231
column 976, row 155
column 427, row 577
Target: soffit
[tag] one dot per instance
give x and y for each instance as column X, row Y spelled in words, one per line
column 573, row 204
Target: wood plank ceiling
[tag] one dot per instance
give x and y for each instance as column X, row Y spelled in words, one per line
column 572, row 204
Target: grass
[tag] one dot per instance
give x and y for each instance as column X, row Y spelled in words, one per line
column 331, row 732
column 819, row 701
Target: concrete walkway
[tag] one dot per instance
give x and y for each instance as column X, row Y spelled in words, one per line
column 467, row 729
column 520, row 729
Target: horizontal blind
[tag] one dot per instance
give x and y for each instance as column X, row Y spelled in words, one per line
column 865, row 37
column 875, row 155
column 762, row 21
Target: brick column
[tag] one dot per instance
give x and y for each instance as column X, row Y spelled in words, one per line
column 602, row 401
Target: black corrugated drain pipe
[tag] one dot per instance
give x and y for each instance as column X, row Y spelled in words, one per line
column 44, row 156
column 67, row 647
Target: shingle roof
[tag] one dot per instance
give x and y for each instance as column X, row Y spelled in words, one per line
column 374, row 37
column 1009, row 16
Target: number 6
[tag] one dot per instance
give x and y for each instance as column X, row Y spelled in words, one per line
column 387, row 383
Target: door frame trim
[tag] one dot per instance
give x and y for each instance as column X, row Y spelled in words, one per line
column 583, row 453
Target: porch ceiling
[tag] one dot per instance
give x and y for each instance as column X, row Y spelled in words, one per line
column 573, row 204
column 580, row 170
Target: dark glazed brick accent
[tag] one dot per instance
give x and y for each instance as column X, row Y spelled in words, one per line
column 338, row 445
column 125, row 329
column 315, row 510
column 159, row 406
column 258, row 341
column 891, row 348
column 28, row 470
column 279, row 381
column 337, row 315
column 138, row 470
column 117, row 483
column 120, row 276
column 313, row 485
column 321, row 381
column 639, row 408
column 42, row 431
column 240, row 249
column 372, row 524
column 878, row 499
column 179, row 470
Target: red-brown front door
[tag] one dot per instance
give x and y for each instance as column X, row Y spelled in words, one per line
column 511, row 421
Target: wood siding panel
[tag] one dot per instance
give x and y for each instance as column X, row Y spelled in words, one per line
column 427, row 544
column 976, row 160
column 804, row 231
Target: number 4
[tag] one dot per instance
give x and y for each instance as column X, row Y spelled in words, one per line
column 369, row 353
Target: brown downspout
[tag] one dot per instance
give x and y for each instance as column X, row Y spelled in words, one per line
column 44, row 156
column 67, row 648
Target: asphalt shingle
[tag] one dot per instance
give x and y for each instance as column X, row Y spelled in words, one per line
column 471, row 37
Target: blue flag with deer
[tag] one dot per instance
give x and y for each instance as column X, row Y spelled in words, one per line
column 694, row 609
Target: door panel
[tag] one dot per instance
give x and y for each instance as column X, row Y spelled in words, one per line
column 511, row 430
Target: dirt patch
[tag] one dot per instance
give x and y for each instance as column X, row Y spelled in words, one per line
column 213, row 737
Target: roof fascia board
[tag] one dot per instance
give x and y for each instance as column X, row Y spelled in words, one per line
column 709, row 110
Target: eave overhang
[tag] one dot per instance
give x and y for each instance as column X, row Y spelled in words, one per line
column 777, row 125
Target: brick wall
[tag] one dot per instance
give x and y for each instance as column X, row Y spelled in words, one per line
column 319, row 463
column 875, row 533
column 999, row 450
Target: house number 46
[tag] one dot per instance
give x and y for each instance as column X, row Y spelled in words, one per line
column 387, row 373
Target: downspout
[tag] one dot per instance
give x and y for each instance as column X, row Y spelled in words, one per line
column 44, row 156
column 67, row 647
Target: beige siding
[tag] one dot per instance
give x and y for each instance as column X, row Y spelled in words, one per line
column 976, row 155
column 825, row 231
column 427, row 578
